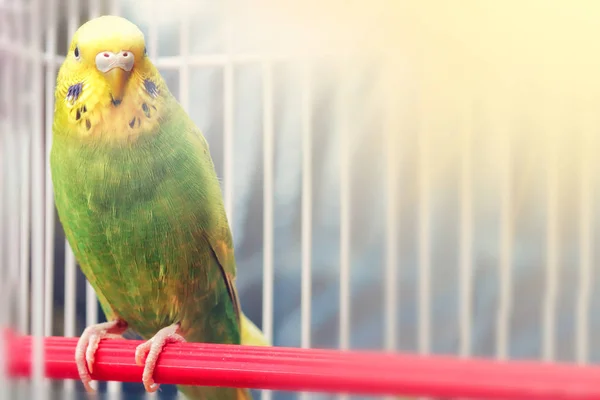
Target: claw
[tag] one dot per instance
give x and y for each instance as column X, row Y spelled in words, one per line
column 147, row 353
column 88, row 344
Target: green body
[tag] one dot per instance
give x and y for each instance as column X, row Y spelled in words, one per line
column 147, row 225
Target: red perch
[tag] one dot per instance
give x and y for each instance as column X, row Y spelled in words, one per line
column 353, row 372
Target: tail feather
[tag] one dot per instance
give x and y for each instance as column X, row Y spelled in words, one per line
column 251, row 335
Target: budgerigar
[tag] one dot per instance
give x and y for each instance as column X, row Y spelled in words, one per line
column 141, row 206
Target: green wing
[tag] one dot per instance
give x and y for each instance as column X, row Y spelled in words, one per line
column 217, row 232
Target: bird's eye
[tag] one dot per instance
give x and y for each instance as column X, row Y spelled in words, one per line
column 76, row 52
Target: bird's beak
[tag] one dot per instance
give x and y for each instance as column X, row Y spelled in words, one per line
column 117, row 79
column 116, row 68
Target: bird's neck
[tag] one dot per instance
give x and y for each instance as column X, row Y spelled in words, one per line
column 94, row 115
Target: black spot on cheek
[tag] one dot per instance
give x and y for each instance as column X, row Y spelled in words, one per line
column 146, row 109
column 151, row 88
column 84, row 109
column 78, row 115
column 132, row 122
column 88, row 124
column 74, row 91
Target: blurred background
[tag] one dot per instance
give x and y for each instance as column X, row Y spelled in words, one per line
column 403, row 175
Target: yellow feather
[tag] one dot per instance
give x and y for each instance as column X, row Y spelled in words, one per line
column 251, row 335
column 93, row 115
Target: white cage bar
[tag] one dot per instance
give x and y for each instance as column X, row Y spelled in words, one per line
column 268, row 159
column 506, row 247
column 552, row 256
column 424, row 228
column 466, row 230
column 586, row 276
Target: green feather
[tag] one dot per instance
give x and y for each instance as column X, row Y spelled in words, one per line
column 147, row 224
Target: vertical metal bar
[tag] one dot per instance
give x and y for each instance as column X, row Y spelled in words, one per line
column 392, row 131
column 388, row 87
column 306, row 274
column 5, row 250
column 505, row 262
column 268, row 149
column 228, row 121
column 306, row 115
column 115, row 7
column 586, row 275
column 93, row 8
column 70, row 263
column 4, row 281
column 424, row 228
column 551, row 284
column 49, row 209
column 24, row 239
column 152, row 45
column 4, row 227
column 344, row 138
column 466, row 233
column 38, row 206
column 91, row 305
column 25, row 152
column 13, row 245
column 184, row 69
column 73, row 18
column 391, row 263
column 345, row 227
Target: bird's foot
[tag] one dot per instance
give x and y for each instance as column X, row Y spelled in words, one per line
column 88, row 344
column 146, row 354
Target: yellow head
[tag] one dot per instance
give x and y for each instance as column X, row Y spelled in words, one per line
column 107, row 85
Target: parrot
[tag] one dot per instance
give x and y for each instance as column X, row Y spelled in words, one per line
column 140, row 203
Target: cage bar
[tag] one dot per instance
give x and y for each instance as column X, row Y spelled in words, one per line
column 268, row 151
column 7, row 259
column 49, row 237
column 23, row 308
column 193, row 60
column 392, row 131
column 424, row 227
column 13, row 241
column 552, row 256
column 25, row 185
column 344, row 171
column 586, row 276
column 505, row 262
column 152, row 42
column 228, row 118
column 93, row 9
column 114, row 7
column 38, row 203
column 466, row 231
column 306, row 277
column 345, row 227
column 4, row 275
column 306, row 262
column 70, row 262
column 184, row 69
